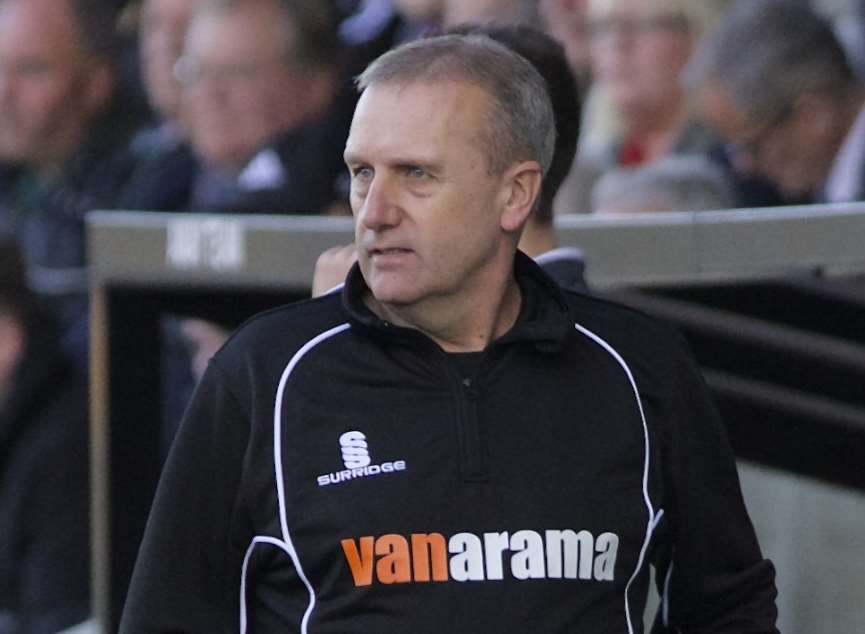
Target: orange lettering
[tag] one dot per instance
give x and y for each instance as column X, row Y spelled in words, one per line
column 394, row 566
column 429, row 549
column 359, row 562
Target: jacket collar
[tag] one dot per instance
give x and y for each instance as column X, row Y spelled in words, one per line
column 544, row 317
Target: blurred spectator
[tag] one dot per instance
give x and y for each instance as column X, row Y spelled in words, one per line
column 165, row 165
column 162, row 30
column 567, row 22
column 44, row 499
column 266, row 109
column 848, row 22
column 685, row 182
column 640, row 112
column 564, row 264
column 379, row 25
column 638, row 50
column 62, row 140
column 775, row 81
column 491, row 12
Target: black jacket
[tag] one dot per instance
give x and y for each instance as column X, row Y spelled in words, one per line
column 44, row 493
column 342, row 474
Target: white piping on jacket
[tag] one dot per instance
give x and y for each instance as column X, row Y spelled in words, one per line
column 653, row 519
column 286, row 543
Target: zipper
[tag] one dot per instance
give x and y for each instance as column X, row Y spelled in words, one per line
column 472, row 456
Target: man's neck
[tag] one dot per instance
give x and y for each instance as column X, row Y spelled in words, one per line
column 537, row 238
column 465, row 326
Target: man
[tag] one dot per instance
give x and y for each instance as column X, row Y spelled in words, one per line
column 62, row 140
column 162, row 30
column 165, row 164
column 262, row 107
column 775, row 81
column 373, row 462
column 44, row 492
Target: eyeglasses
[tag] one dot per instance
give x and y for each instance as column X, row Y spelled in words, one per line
column 633, row 27
column 755, row 147
column 189, row 71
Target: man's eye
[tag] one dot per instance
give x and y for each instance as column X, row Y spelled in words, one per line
column 362, row 172
column 415, row 172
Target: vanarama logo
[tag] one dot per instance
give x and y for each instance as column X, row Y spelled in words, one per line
column 523, row 555
column 356, row 458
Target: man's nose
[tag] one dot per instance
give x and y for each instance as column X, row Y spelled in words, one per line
column 380, row 207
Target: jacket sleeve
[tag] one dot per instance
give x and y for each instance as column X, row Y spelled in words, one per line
column 713, row 577
column 187, row 575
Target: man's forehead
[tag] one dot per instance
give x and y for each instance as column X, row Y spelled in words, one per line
column 394, row 115
column 40, row 28
column 435, row 100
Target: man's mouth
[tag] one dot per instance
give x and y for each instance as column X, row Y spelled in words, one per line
column 389, row 251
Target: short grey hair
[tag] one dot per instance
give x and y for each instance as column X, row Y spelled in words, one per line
column 520, row 125
column 768, row 53
column 683, row 182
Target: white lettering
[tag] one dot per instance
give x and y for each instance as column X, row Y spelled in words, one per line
column 577, row 548
column 527, row 562
column 605, row 563
column 360, row 472
column 467, row 561
column 494, row 545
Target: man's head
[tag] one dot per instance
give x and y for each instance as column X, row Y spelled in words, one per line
column 56, row 77
column 682, row 182
column 490, row 12
column 161, row 32
column 639, row 48
column 447, row 150
column 774, row 80
column 254, row 69
column 567, row 22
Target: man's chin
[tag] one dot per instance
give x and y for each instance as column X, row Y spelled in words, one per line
column 394, row 297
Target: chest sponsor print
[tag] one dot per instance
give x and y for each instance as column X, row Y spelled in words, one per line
column 463, row 557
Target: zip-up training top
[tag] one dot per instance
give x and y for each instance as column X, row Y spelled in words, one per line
column 335, row 474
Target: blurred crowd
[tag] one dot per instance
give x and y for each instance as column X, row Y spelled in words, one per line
column 243, row 106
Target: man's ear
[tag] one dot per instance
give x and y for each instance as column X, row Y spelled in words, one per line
column 522, row 187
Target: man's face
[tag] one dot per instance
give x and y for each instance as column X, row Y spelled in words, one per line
column 242, row 89
column 793, row 148
column 162, row 31
column 638, row 50
column 427, row 211
column 45, row 100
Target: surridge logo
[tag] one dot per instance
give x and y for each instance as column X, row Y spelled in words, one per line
column 357, row 461
column 524, row 554
column 354, row 450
